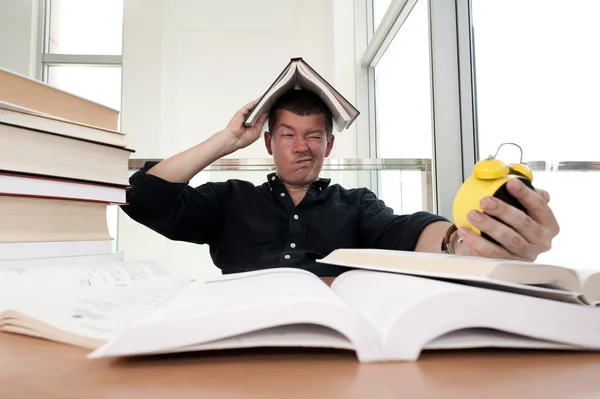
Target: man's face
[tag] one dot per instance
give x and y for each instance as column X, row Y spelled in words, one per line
column 299, row 146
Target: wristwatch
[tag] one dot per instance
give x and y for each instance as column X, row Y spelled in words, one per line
column 447, row 246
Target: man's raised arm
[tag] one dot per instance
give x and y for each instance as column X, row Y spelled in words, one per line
column 182, row 167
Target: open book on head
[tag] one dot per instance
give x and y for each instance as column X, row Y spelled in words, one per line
column 299, row 75
column 529, row 278
column 378, row 316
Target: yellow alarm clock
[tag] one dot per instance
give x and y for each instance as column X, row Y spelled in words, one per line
column 489, row 179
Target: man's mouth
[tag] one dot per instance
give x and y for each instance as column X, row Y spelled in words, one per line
column 304, row 161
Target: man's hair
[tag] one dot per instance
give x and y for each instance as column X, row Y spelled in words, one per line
column 303, row 103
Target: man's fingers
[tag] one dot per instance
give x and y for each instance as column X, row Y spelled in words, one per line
column 261, row 121
column 545, row 195
column 536, row 205
column 252, row 103
column 513, row 240
column 522, row 223
column 483, row 247
column 248, row 107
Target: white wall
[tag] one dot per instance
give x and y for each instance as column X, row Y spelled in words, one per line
column 189, row 65
column 19, row 36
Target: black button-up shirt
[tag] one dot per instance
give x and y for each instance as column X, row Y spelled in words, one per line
column 250, row 227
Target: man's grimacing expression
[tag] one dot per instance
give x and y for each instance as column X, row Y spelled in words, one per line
column 299, row 145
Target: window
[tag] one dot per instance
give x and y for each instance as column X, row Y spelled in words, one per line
column 101, row 84
column 83, row 47
column 86, row 27
column 379, row 9
column 82, row 55
column 403, row 111
column 403, row 93
column 537, row 85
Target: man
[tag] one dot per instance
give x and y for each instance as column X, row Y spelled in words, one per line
column 295, row 217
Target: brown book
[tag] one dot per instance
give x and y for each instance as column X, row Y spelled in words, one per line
column 22, row 117
column 48, row 187
column 31, row 219
column 42, row 98
column 299, row 75
column 50, row 154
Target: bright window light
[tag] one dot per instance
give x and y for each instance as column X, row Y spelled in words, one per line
column 86, row 27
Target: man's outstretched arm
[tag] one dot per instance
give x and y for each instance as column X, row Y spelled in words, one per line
column 431, row 238
column 522, row 236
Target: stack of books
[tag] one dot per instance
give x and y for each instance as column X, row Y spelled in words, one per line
column 63, row 161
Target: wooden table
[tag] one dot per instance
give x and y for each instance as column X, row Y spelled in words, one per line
column 34, row 368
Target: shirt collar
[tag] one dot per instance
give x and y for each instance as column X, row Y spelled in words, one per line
column 273, row 179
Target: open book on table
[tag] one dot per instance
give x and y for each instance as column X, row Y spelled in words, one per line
column 299, row 75
column 82, row 300
column 528, row 278
column 379, row 316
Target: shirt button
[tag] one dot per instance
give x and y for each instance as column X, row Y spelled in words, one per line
column 287, row 256
column 296, row 217
column 293, row 245
column 273, row 178
column 282, row 194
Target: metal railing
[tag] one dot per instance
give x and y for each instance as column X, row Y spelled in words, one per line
column 377, row 164
column 329, row 164
column 341, row 164
column 421, row 164
column 564, row 166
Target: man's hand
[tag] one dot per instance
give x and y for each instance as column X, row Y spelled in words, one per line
column 523, row 237
column 244, row 136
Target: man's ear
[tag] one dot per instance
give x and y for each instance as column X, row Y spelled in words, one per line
column 329, row 145
column 268, row 142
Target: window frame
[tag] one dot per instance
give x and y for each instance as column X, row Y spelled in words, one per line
column 453, row 93
column 48, row 59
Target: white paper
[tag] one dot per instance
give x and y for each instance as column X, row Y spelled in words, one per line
column 248, row 292
column 228, row 307
column 297, row 335
column 381, row 297
column 93, row 316
column 25, row 279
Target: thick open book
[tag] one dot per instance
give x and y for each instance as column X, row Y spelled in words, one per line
column 82, row 300
column 529, row 278
column 378, row 316
column 299, row 75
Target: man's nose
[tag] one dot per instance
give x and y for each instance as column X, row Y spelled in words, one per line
column 300, row 144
